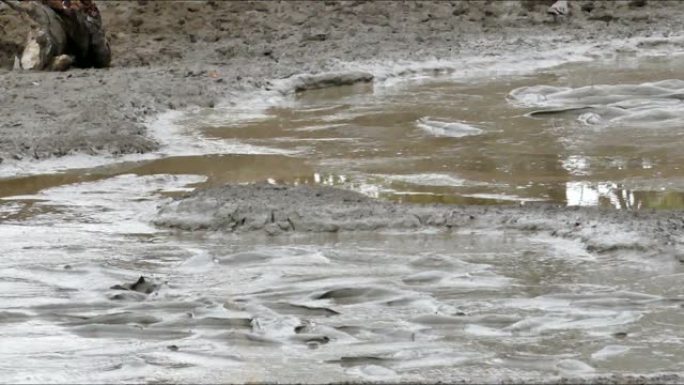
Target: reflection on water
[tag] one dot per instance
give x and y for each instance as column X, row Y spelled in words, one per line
column 613, row 194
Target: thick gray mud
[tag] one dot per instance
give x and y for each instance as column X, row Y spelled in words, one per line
column 510, row 236
column 353, row 290
column 313, row 209
column 275, row 209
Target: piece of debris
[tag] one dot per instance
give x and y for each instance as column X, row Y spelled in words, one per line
column 142, row 285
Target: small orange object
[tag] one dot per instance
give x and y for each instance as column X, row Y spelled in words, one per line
column 214, row 74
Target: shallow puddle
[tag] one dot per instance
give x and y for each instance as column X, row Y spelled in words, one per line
column 392, row 306
column 474, row 142
column 580, row 134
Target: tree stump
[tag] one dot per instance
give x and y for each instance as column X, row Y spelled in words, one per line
column 66, row 33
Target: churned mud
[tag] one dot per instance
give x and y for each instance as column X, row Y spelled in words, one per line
column 359, row 289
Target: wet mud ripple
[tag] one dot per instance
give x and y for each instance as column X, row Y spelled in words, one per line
column 424, row 293
column 647, row 105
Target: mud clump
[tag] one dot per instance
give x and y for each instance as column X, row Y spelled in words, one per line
column 325, row 80
column 278, row 209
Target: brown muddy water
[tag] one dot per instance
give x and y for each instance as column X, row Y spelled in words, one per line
column 391, row 306
column 473, row 143
column 439, row 140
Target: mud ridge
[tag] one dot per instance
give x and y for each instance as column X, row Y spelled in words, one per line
column 278, row 209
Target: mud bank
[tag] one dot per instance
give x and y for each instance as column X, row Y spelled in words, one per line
column 282, row 209
column 171, row 55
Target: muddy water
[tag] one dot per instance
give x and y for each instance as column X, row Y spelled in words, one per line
column 473, row 305
column 471, row 142
column 442, row 140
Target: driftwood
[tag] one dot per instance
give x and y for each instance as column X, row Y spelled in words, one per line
column 60, row 39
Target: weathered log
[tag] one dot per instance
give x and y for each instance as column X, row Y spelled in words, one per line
column 60, row 39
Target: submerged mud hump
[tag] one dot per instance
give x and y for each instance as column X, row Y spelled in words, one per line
column 277, row 209
column 653, row 105
column 447, row 129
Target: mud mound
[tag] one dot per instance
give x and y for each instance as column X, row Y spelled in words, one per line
column 277, row 209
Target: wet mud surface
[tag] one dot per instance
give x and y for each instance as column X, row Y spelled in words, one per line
column 493, row 294
column 173, row 265
column 318, row 209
